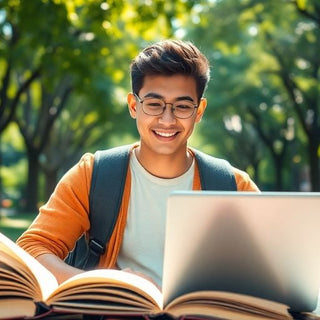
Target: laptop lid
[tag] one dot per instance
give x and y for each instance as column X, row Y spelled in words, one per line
column 261, row 244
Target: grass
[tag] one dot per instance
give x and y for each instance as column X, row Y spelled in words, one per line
column 14, row 225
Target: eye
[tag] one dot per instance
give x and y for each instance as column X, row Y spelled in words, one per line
column 153, row 103
column 183, row 106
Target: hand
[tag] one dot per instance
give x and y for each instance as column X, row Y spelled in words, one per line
column 58, row 267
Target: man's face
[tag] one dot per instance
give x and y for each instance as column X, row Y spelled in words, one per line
column 165, row 134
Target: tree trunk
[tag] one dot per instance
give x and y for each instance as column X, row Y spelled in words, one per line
column 31, row 192
column 314, row 164
column 50, row 182
column 256, row 175
column 278, row 168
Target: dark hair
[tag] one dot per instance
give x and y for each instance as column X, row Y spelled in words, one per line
column 170, row 57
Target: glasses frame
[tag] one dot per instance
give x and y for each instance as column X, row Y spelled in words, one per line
column 196, row 106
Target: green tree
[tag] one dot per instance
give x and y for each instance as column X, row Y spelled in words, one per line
column 65, row 49
column 295, row 49
column 35, row 129
column 80, row 127
column 266, row 70
column 61, row 54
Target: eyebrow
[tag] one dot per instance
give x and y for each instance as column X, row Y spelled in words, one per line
column 156, row 95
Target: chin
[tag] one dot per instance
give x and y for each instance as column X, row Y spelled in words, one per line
column 165, row 151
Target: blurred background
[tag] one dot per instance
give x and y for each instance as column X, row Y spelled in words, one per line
column 64, row 76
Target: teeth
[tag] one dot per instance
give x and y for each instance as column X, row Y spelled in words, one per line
column 165, row 134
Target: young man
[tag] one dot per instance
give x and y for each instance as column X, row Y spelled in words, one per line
column 168, row 82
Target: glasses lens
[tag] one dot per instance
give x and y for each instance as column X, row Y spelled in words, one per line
column 153, row 106
column 183, row 109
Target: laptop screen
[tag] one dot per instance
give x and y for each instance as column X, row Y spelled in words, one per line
column 260, row 244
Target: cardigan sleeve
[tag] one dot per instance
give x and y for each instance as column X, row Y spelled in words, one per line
column 64, row 218
column 244, row 182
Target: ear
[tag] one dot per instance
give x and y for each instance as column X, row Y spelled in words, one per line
column 200, row 110
column 132, row 104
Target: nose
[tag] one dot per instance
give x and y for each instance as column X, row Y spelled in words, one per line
column 167, row 116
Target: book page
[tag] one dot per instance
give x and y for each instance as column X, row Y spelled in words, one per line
column 123, row 284
column 16, row 308
column 227, row 303
column 45, row 279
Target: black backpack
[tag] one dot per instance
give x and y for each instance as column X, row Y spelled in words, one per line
column 106, row 190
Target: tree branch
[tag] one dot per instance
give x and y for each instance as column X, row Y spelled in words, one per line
column 14, row 103
column 314, row 17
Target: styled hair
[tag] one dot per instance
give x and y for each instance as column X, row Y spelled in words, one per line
column 168, row 58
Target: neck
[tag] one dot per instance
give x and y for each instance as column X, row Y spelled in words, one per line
column 165, row 166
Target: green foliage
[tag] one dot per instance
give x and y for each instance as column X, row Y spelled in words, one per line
column 265, row 72
column 12, row 178
column 13, row 163
column 77, row 54
column 70, row 60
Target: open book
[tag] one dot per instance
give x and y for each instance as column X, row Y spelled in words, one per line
column 27, row 289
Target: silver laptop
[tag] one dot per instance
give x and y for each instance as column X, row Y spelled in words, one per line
column 261, row 244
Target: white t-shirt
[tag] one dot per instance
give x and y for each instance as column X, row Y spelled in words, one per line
column 143, row 243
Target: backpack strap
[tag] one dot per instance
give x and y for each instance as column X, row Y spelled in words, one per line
column 105, row 196
column 215, row 173
column 107, row 185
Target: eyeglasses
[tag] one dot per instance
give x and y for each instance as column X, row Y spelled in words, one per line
column 182, row 109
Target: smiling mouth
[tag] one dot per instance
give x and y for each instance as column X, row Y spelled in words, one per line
column 165, row 134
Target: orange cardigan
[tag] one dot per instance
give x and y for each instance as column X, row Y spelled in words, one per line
column 64, row 218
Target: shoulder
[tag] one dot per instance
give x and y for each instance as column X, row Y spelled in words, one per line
column 214, row 173
column 86, row 161
column 208, row 162
column 77, row 180
column 243, row 180
column 115, row 153
column 82, row 168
